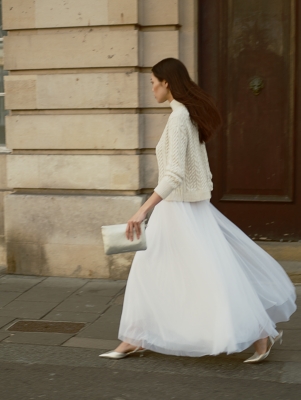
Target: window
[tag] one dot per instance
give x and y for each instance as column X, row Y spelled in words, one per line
column 2, row 73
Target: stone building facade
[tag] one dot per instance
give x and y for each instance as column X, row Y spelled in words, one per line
column 83, row 124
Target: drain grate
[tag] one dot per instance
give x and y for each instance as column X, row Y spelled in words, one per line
column 47, row 326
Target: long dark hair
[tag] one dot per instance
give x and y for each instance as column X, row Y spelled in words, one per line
column 201, row 106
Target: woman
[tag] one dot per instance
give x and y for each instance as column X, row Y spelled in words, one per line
column 202, row 287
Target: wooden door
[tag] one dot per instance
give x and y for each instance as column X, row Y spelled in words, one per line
column 249, row 60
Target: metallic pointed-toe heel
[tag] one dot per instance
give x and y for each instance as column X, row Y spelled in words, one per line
column 116, row 355
column 279, row 337
column 255, row 358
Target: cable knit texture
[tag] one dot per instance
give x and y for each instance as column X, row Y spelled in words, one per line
column 184, row 173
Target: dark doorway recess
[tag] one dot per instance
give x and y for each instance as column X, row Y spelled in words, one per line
column 249, row 60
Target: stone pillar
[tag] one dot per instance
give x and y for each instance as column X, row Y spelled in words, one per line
column 83, row 124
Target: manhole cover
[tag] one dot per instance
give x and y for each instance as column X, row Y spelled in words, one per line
column 47, row 326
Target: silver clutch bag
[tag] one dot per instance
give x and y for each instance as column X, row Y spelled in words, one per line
column 115, row 240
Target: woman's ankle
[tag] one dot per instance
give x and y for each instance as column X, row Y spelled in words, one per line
column 125, row 347
column 261, row 345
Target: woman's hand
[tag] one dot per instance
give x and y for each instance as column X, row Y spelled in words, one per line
column 134, row 223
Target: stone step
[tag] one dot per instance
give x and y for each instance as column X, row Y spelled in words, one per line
column 282, row 251
column 288, row 254
column 293, row 269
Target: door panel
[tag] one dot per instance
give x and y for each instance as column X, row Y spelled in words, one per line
column 249, row 60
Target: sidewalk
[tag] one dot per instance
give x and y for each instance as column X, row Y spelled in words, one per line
column 95, row 306
column 95, row 303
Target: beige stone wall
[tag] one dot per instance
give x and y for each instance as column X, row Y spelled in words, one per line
column 4, row 191
column 61, row 235
column 83, row 125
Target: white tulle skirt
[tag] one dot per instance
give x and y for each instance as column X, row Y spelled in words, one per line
column 202, row 286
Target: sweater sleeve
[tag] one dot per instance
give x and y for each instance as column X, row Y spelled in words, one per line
column 176, row 157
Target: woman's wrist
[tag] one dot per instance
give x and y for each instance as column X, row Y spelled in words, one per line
column 146, row 208
column 151, row 202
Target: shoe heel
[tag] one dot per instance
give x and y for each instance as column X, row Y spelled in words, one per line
column 281, row 337
column 281, row 340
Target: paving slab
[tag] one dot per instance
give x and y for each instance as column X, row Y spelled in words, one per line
column 119, row 299
column 293, row 269
column 5, row 320
column 97, row 305
column 50, row 339
column 89, row 298
column 7, row 297
column 106, row 327
column 101, row 288
column 291, row 373
column 71, row 316
column 46, row 294
column 284, row 355
column 4, row 335
column 17, row 283
column 26, row 309
column 58, row 282
column 114, row 312
column 291, row 340
column 92, row 343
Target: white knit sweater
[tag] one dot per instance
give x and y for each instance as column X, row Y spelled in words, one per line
column 184, row 173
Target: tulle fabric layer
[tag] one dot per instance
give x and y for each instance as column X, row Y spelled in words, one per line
column 202, row 287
